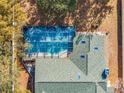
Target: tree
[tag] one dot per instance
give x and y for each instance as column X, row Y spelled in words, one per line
column 55, row 9
column 85, row 15
column 6, row 30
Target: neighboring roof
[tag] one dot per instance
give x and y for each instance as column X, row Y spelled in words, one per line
column 66, row 88
column 72, row 87
column 62, row 70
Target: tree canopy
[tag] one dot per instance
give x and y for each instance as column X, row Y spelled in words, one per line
column 85, row 15
column 54, row 9
column 7, row 14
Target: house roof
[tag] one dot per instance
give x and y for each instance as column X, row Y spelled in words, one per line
column 84, row 67
column 86, row 63
column 66, row 88
column 62, row 70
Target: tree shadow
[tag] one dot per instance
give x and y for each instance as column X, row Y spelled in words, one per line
column 91, row 13
column 87, row 16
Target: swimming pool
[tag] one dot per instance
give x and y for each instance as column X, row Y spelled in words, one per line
column 51, row 40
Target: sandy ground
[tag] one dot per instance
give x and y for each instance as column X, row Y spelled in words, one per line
column 23, row 79
column 110, row 25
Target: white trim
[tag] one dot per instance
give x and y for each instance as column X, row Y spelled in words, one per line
column 99, row 33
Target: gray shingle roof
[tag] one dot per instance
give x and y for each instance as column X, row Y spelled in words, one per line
column 66, row 88
column 62, row 70
column 80, row 73
column 85, row 64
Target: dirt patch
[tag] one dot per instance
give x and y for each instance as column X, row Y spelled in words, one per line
column 23, row 79
column 110, row 25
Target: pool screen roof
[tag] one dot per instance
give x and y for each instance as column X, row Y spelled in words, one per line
column 49, row 39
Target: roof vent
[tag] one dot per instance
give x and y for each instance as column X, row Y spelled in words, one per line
column 83, row 42
column 96, row 48
column 82, row 56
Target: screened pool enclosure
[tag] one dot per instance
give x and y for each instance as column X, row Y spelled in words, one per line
column 49, row 40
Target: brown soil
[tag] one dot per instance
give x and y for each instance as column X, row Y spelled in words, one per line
column 23, row 80
column 110, row 25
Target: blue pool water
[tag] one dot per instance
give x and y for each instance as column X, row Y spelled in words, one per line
column 49, row 39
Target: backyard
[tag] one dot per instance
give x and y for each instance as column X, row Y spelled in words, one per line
column 17, row 17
